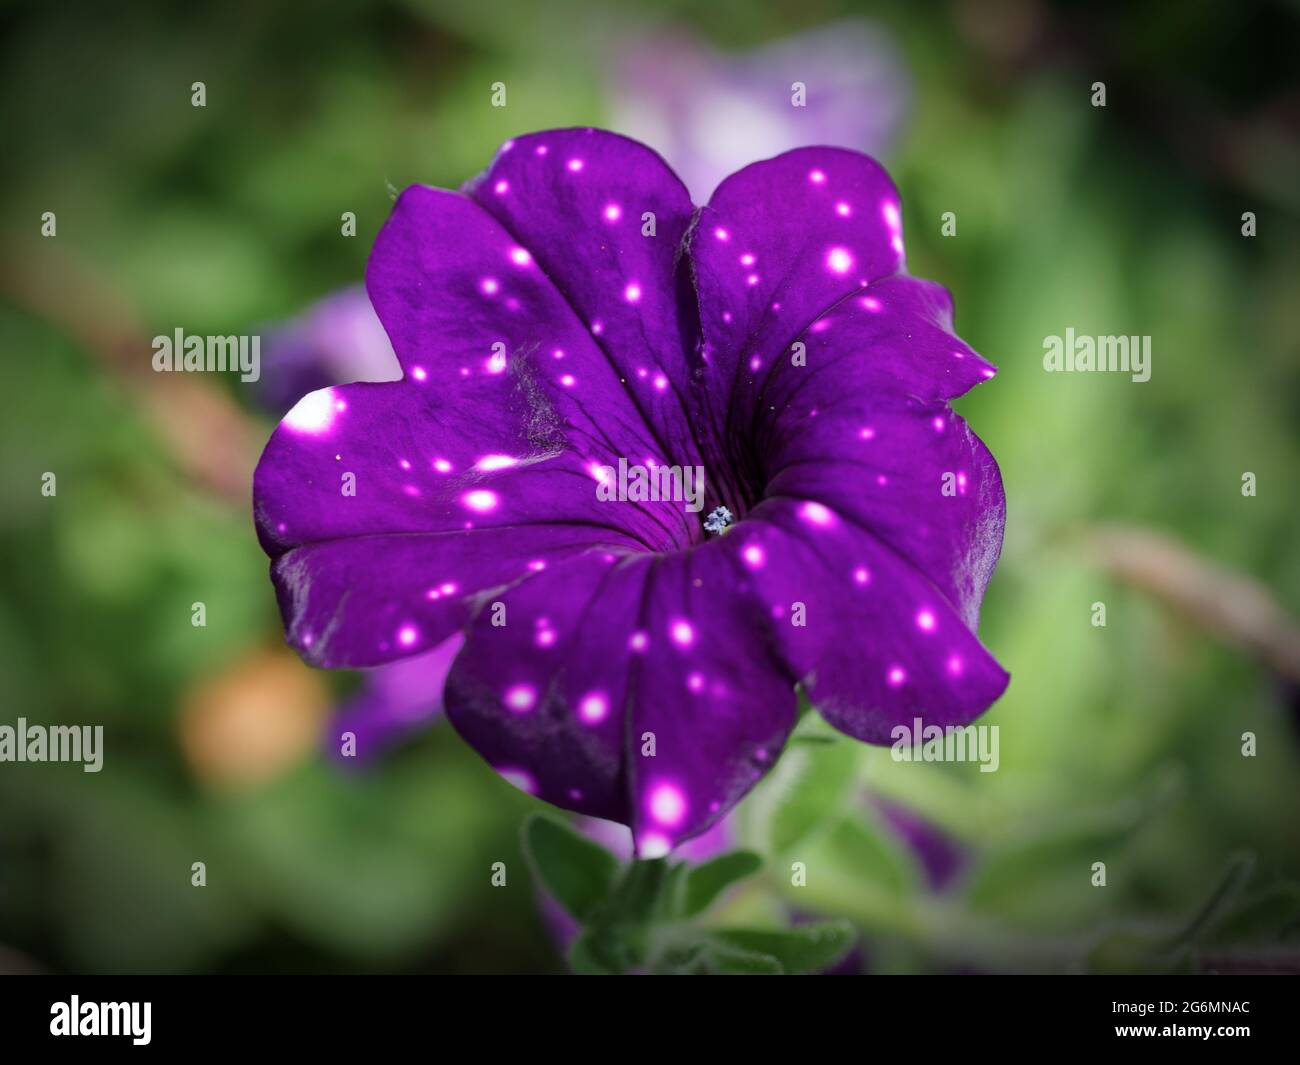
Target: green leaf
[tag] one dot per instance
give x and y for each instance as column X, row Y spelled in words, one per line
column 1033, row 878
column 579, row 874
column 640, row 896
column 720, row 958
column 704, row 883
column 588, row 956
column 1135, row 950
column 683, row 959
column 306, row 847
column 810, row 784
column 1128, row 951
column 1268, row 916
column 861, row 844
column 807, row 949
column 612, row 947
column 1224, row 894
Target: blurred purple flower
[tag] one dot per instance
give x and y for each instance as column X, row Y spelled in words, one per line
column 941, row 857
column 710, row 114
column 394, row 701
column 336, row 340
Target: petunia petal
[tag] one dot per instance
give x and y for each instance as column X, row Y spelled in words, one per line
column 603, row 218
column 911, row 476
column 373, row 499
column 894, row 338
column 540, row 688
column 476, row 320
column 715, row 695
column 367, row 600
column 371, row 459
column 874, row 643
column 772, row 251
column 635, row 689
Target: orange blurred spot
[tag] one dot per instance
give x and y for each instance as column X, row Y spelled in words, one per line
column 253, row 722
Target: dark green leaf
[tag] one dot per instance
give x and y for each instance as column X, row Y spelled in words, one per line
column 808, row 949
column 1224, row 894
column 720, row 958
column 579, row 873
column 1136, row 950
column 1269, row 916
column 1127, row 951
column 640, row 895
column 587, row 956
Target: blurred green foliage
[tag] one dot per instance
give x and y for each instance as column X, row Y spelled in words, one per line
column 1119, row 744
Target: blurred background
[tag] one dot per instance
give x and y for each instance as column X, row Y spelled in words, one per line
column 1120, row 743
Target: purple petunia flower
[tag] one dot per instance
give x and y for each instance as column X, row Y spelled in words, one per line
column 940, row 856
column 396, row 700
column 570, row 312
column 337, row 339
column 711, row 113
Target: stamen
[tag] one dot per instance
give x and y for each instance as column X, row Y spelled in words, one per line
column 719, row 520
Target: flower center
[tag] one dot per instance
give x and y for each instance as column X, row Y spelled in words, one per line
column 719, row 520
